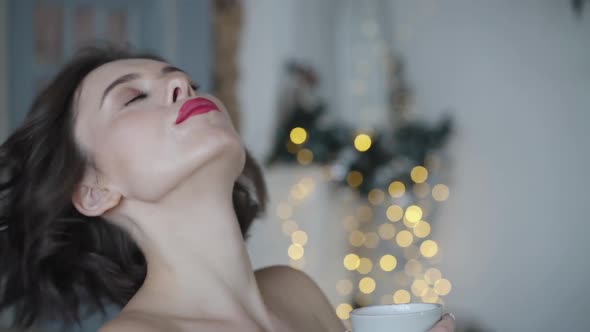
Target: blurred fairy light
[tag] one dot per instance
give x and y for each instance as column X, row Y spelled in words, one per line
column 429, row 296
column 395, row 213
column 343, row 311
column 442, row 287
column 404, row 238
column 410, row 224
column 371, row 240
column 344, row 287
column 419, row 287
column 304, row 156
column 284, row 211
column 419, row 174
column 421, row 190
column 428, row 248
column 422, row 229
column 388, row 263
column 367, row 285
column 365, row 266
column 386, row 231
column 362, row 142
column 351, row 262
column 412, row 252
column 356, row 238
column 350, row 223
column 289, row 227
column 401, row 296
column 432, row 275
column 298, row 135
column 440, row 192
column 397, row 189
column 354, row 179
column 364, row 213
column 299, row 237
column 413, row 267
column 295, row 251
column 413, row 213
column 376, row 196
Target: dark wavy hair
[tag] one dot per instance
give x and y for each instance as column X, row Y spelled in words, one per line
column 54, row 260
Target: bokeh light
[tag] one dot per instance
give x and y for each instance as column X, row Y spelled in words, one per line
column 397, row 189
column 413, row 213
column 422, row 229
column 351, row 262
column 395, row 213
column 401, row 296
column 404, row 238
column 413, row 267
column 419, row 174
column 440, row 192
column 356, row 238
column 412, row 252
column 376, row 196
column 442, row 287
column 430, row 296
column 354, row 179
column 299, row 237
column 432, row 275
column 367, row 285
column 428, row 248
column 289, row 227
column 365, row 266
column 343, row 311
column 298, row 135
column 371, row 240
column 419, row 287
column 362, row 142
column 364, row 213
column 284, row 211
column 388, row 263
column 421, row 190
column 386, row 231
column 295, row 251
column 304, row 156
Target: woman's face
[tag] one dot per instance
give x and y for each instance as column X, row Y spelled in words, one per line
column 130, row 124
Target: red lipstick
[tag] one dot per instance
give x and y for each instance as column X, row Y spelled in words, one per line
column 195, row 106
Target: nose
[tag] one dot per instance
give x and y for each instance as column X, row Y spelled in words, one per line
column 178, row 89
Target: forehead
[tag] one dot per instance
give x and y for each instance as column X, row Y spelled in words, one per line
column 97, row 80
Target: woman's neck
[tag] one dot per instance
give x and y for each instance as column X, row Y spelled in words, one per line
column 198, row 265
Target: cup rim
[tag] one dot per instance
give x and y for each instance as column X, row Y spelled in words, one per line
column 435, row 306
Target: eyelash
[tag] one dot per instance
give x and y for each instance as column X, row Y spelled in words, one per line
column 141, row 95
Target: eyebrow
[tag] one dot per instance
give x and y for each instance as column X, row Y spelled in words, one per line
column 133, row 76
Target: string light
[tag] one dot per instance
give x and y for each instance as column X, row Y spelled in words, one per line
column 419, row 287
column 299, row 237
column 442, row 287
column 413, row 213
column 356, row 238
column 365, row 266
column 395, row 213
column 362, row 142
column 351, row 262
column 289, row 227
column 343, row 311
column 376, row 196
column 397, row 189
column 305, row 156
column 295, row 251
column 432, row 275
column 404, row 238
column 371, row 240
column 422, row 229
column 284, row 211
column 419, row 174
column 428, row 248
column 413, row 267
column 367, row 285
column 386, row 231
column 401, row 296
column 354, row 179
column 388, row 263
column 298, row 135
column 364, row 213
column 440, row 192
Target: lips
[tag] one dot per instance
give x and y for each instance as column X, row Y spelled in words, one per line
column 195, row 106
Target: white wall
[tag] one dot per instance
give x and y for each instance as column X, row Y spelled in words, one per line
column 3, row 71
column 517, row 75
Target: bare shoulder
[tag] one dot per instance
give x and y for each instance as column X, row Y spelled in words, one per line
column 128, row 322
column 299, row 293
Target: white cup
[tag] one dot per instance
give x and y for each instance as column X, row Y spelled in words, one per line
column 411, row 317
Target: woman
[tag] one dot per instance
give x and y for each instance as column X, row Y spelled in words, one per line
column 126, row 185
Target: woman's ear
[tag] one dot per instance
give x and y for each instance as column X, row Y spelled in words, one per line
column 94, row 201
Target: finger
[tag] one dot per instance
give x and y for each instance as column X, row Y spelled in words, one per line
column 446, row 324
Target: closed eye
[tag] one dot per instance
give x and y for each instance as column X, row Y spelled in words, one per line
column 138, row 97
column 195, row 87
